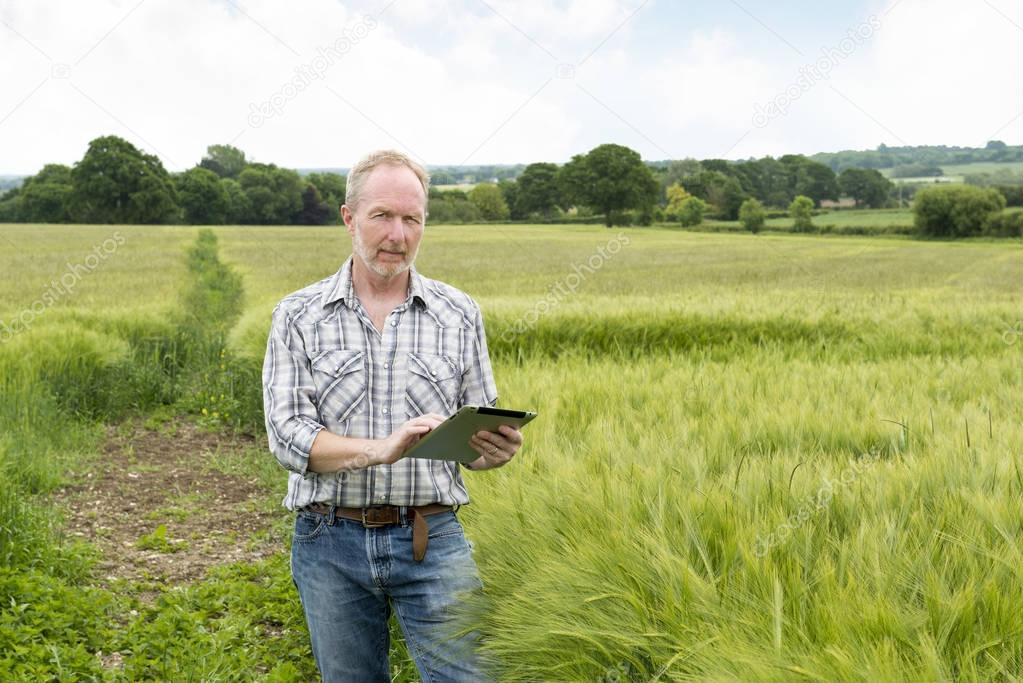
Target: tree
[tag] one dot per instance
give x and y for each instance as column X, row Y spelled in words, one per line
column 955, row 210
column 716, row 188
column 10, row 206
column 452, row 206
column 1008, row 223
column 609, row 178
column 202, row 197
column 224, row 160
column 314, row 211
column 918, row 171
column 811, row 178
column 867, row 186
column 767, row 179
column 801, row 210
column 691, row 211
column 490, row 201
column 238, row 207
column 752, row 215
column 679, row 171
column 274, row 194
column 676, row 195
column 116, row 183
column 538, row 190
column 332, row 187
column 45, row 197
column 510, row 192
column 1013, row 194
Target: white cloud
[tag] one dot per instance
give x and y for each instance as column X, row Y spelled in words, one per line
column 452, row 80
column 941, row 71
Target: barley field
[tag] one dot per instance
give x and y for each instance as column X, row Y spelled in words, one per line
column 757, row 458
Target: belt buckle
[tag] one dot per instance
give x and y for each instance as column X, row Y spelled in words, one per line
column 371, row 525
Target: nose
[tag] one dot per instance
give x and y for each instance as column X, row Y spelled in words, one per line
column 395, row 230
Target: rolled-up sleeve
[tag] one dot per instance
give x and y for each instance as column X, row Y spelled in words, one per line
column 289, row 397
column 478, row 386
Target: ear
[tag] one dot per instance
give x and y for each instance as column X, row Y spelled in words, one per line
column 349, row 219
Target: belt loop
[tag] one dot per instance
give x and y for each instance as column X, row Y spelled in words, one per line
column 403, row 511
column 331, row 514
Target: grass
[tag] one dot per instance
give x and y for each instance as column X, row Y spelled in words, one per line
column 982, row 167
column 957, row 172
column 770, row 457
column 874, row 222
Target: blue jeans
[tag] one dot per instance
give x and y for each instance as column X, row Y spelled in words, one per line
column 349, row 577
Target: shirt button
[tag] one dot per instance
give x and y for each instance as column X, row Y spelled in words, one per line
column 433, row 372
column 385, row 411
column 394, row 323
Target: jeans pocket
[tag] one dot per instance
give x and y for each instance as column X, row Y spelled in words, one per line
column 444, row 524
column 308, row 526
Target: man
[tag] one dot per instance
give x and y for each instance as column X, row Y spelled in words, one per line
column 358, row 367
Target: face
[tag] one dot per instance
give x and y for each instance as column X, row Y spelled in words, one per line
column 387, row 225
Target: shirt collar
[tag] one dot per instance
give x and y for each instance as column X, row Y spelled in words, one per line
column 340, row 287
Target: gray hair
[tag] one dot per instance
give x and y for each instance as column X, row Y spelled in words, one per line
column 357, row 176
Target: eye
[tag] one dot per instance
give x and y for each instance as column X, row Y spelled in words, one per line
column 412, row 219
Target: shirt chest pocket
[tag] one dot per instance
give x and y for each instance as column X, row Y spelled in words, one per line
column 433, row 384
column 341, row 381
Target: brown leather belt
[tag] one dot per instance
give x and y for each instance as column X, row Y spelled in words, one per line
column 386, row 515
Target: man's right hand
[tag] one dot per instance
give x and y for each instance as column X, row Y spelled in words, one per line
column 404, row 437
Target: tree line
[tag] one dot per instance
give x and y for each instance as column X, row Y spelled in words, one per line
column 612, row 182
column 908, row 161
column 115, row 182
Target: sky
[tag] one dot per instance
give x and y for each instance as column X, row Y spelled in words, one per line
column 319, row 83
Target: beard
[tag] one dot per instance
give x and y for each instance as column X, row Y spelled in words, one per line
column 370, row 256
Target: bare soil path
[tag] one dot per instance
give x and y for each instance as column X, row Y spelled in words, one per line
column 164, row 504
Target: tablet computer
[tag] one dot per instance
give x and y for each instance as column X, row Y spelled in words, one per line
column 450, row 439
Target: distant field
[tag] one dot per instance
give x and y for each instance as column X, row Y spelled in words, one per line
column 758, row 457
column 867, row 217
column 856, row 221
column 929, row 179
column 957, row 172
column 465, row 187
column 982, row 167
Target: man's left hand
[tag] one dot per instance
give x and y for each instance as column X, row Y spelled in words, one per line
column 496, row 448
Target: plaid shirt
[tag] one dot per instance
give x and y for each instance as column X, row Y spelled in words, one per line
column 328, row 367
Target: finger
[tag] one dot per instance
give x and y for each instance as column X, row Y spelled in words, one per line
column 511, row 433
column 414, row 428
column 429, row 421
column 476, row 446
column 498, row 440
column 488, row 448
